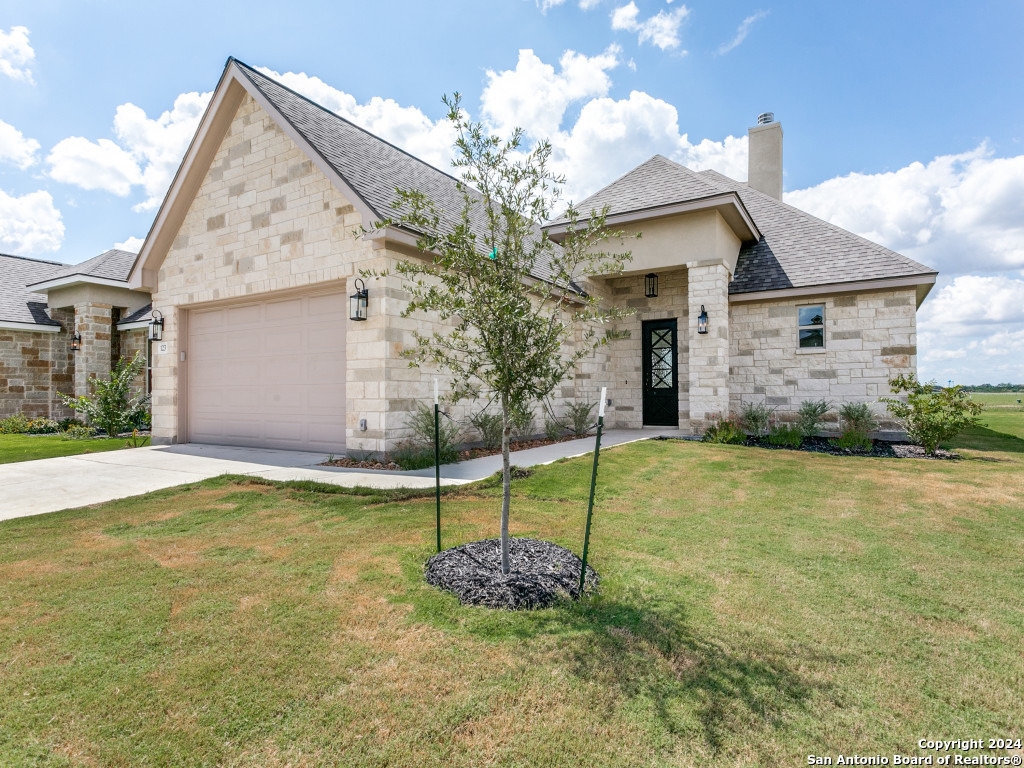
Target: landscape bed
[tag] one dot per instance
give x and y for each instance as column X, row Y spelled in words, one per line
column 754, row 607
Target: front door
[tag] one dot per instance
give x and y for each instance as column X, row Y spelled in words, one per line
column 661, row 384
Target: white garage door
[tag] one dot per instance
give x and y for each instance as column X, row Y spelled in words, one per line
column 269, row 374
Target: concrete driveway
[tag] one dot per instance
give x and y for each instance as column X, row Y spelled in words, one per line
column 48, row 485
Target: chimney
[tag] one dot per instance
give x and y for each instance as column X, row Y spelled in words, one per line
column 764, row 156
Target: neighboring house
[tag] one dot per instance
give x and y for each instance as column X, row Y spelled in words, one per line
column 44, row 306
column 257, row 247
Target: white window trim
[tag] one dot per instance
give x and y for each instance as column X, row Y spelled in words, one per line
column 824, row 334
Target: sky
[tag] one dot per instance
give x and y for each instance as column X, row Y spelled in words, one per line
column 904, row 122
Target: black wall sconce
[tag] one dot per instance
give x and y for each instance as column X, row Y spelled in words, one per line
column 156, row 326
column 651, row 285
column 76, row 341
column 702, row 320
column 358, row 301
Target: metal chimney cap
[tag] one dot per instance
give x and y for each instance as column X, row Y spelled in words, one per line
column 766, row 117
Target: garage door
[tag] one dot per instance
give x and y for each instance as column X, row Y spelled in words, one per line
column 269, row 374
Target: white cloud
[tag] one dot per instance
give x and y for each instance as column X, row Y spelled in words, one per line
column 742, row 32
column 16, row 54
column 534, row 97
column 147, row 151
column 958, row 213
column 94, row 165
column 132, row 244
column 545, row 4
column 15, row 148
column 588, row 5
column 29, row 224
column 406, row 127
column 976, row 299
column 661, row 29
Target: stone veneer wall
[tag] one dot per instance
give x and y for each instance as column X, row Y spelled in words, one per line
column 128, row 344
column 619, row 364
column 264, row 219
column 34, row 367
column 709, row 352
column 868, row 338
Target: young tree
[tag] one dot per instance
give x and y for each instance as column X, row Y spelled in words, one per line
column 931, row 414
column 113, row 407
column 509, row 294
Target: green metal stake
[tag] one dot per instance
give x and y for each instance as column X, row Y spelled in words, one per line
column 437, row 462
column 593, row 487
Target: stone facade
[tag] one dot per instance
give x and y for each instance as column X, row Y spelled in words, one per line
column 709, row 352
column 34, row 367
column 868, row 338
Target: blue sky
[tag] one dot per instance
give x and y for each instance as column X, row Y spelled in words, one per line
column 903, row 121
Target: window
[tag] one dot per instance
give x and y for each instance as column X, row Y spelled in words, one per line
column 811, row 322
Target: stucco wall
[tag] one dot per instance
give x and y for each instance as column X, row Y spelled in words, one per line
column 868, row 338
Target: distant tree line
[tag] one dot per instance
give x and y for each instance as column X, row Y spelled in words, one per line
column 994, row 387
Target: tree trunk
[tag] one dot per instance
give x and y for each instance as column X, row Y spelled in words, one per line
column 506, row 484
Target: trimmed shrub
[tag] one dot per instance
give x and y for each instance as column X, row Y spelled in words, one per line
column 931, row 414
column 489, row 427
column 756, row 417
column 42, row 427
column 579, row 418
column 724, row 431
column 15, row 425
column 809, row 416
column 857, row 417
column 787, row 435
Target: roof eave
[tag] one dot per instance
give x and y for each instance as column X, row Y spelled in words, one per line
column 728, row 204
column 68, row 280
column 922, row 282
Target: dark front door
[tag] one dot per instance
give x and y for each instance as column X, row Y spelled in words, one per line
column 661, row 384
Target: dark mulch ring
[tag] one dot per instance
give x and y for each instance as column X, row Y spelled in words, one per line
column 542, row 574
column 880, row 448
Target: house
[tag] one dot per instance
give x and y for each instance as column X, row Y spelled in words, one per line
column 62, row 324
column 259, row 244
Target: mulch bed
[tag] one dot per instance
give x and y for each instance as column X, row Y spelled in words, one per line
column 353, row 464
column 885, row 449
column 518, row 445
column 542, row 574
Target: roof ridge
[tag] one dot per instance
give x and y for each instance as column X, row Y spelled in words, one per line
column 811, row 216
column 358, row 127
column 37, row 261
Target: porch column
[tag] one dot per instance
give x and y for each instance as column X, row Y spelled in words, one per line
column 708, row 286
column 95, row 324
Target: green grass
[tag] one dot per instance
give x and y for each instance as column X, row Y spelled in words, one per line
column 1003, row 414
column 29, row 447
column 756, row 607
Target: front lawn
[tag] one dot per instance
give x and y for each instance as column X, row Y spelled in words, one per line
column 756, row 607
column 29, row 447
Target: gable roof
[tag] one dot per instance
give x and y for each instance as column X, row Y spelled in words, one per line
column 113, row 265
column 800, row 250
column 365, row 168
column 19, row 304
column 792, row 249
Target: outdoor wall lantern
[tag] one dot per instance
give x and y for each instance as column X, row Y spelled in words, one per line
column 156, row 326
column 76, row 342
column 702, row 320
column 651, row 285
column 357, row 301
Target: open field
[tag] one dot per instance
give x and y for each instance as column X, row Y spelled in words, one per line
column 757, row 607
column 1002, row 412
column 29, row 447
column 999, row 399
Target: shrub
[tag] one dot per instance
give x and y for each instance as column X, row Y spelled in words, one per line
column 787, row 435
column 522, row 423
column 809, row 416
column 15, row 425
column 858, row 417
column 489, row 427
column 421, row 422
column 66, row 424
column 854, row 440
column 552, row 429
column 409, row 454
column 113, row 407
column 579, row 418
column 42, row 427
column 931, row 414
column 724, row 431
column 78, row 432
column 755, row 418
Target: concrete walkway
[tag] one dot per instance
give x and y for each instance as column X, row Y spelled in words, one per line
column 48, row 485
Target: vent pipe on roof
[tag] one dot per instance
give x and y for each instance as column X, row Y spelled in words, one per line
column 764, row 156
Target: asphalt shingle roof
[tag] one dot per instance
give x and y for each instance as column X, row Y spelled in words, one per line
column 17, row 303
column 798, row 250
column 139, row 315
column 372, row 167
column 112, row 265
column 652, row 184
